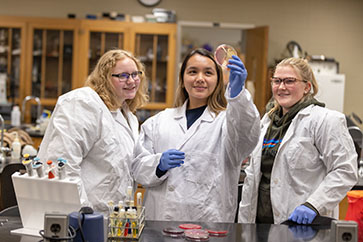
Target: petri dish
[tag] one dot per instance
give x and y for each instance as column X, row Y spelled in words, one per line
column 223, row 53
column 173, row 232
column 196, row 235
column 190, row 226
column 217, row 233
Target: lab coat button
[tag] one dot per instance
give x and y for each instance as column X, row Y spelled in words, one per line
column 276, row 180
column 171, row 188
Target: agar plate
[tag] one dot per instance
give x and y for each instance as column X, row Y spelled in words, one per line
column 223, row 53
column 190, row 226
column 173, row 232
column 217, row 233
column 196, row 235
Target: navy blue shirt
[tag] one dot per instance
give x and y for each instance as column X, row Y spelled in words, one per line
column 194, row 114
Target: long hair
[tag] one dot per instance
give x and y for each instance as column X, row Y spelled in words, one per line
column 302, row 67
column 100, row 81
column 216, row 101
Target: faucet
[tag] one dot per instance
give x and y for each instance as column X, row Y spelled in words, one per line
column 2, row 149
column 26, row 99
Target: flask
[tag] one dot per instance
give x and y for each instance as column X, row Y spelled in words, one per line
column 16, row 148
column 15, row 116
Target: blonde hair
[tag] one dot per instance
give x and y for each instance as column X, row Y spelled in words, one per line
column 216, row 101
column 100, row 81
column 302, row 67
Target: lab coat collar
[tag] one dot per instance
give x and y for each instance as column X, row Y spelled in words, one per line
column 207, row 115
column 127, row 124
column 180, row 118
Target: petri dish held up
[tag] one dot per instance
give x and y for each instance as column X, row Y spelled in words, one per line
column 223, row 53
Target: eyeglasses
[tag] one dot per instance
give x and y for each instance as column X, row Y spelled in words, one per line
column 288, row 81
column 124, row 76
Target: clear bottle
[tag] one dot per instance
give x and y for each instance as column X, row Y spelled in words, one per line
column 16, row 148
column 15, row 116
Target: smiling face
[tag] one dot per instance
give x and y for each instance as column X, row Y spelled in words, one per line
column 125, row 89
column 200, row 80
column 289, row 96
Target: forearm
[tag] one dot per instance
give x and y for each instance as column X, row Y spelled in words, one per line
column 243, row 125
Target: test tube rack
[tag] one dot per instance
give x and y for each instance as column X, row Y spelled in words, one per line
column 126, row 228
column 36, row 196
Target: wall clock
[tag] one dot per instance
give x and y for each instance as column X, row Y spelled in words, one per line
column 149, row 3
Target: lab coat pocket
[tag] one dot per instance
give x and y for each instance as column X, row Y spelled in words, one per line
column 200, row 173
column 301, row 154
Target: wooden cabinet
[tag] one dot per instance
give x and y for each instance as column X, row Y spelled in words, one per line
column 97, row 37
column 51, row 59
column 153, row 43
column 12, row 58
column 47, row 57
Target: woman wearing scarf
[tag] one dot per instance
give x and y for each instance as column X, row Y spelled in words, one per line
column 305, row 162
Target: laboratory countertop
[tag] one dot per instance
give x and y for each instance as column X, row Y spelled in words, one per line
column 236, row 232
column 27, row 128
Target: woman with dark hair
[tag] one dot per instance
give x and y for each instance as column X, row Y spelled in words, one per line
column 95, row 130
column 189, row 157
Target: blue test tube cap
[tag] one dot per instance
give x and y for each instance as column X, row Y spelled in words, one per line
column 37, row 162
column 62, row 160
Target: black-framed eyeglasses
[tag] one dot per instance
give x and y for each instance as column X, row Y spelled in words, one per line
column 124, row 76
column 288, row 81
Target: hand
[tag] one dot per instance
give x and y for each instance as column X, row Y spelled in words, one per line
column 171, row 159
column 302, row 215
column 237, row 75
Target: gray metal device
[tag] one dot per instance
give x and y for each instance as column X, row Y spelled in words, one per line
column 344, row 231
column 56, row 225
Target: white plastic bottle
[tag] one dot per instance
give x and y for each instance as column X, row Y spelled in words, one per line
column 15, row 116
column 16, row 149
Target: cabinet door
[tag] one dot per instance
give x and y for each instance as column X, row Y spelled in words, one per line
column 256, row 64
column 51, row 63
column 97, row 37
column 12, row 61
column 154, row 45
column 51, row 59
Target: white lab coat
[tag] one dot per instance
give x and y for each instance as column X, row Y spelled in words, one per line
column 316, row 163
column 97, row 143
column 204, row 188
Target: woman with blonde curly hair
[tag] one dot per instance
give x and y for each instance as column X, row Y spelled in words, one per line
column 95, row 130
column 305, row 161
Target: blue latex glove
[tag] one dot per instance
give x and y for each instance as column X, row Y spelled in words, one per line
column 302, row 215
column 237, row 75
column 170, row 159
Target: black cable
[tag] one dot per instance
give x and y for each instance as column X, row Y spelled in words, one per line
column 80, row 225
